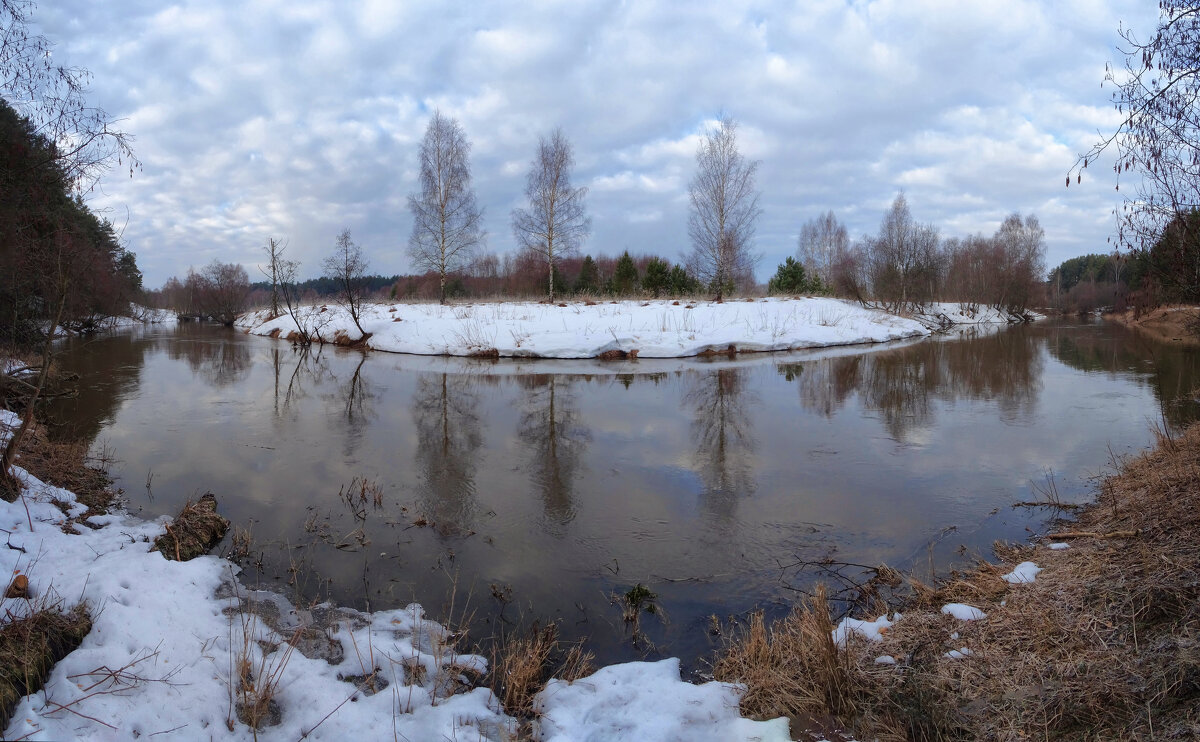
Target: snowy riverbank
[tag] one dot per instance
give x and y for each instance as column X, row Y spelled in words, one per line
column 167, row 636
column 642, row 329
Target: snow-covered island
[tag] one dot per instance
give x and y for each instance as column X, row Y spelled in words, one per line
column 637, row 329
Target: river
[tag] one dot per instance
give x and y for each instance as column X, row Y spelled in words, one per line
column 503, row 492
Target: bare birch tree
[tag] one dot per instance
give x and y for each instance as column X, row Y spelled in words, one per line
column 556, row 222
column 822, row 241
column 346, row 268
column 446, row 219
column 724, row 209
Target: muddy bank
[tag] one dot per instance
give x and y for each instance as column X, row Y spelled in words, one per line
column 1174, row 324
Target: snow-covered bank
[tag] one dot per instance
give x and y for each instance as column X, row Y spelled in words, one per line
column 944, row 314
column 643, row 329
column 161, row 657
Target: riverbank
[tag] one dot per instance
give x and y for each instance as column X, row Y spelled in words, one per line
column 1172, row 324
column 660, row 328
column 624, row 329
column 1091, row 633
column 181, row 650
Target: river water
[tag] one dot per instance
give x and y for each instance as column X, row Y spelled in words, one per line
column 506, row 492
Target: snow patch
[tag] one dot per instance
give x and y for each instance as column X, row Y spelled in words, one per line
column 963, row 612
column 1023, row 573
column 646, row 701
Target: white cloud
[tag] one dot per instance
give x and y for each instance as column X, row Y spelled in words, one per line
column 297, row 118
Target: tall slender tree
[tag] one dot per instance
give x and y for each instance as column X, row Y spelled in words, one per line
column 446, row 219
column 347, row 266
column 724, row 207
column 555, row 222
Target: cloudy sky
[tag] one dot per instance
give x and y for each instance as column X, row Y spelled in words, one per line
column 297, row 118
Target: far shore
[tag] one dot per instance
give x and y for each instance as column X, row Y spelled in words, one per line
column 630, row 329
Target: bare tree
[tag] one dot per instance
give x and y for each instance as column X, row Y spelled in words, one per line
column 446, row 219
column 54, row 99
column 346, row 268
column 904, row 261
column 822, row 241
column 274, row 250
column 306, row 321
column 220, row 290
column 724, row 208
column 1158, row 98
column 556, row 222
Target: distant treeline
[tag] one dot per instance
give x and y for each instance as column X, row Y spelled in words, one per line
column 1166, row 272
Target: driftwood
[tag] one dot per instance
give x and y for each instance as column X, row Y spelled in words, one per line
column 196, row 530
column 1093, row 534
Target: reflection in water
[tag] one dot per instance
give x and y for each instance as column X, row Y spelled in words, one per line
column 722, row 434
column 904, row 384
column 550, row 429
column 655, row 488
column 217, row 362
column 306, row 369
column 448, row 440
column 355, row 396
column 1172, row 373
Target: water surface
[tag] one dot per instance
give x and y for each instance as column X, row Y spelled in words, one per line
column 529, row 490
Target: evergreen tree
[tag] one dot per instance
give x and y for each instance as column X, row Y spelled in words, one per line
column 625, row 276
column 789, row 278
column 658, row 276
column 588, row 281
column 682, row 282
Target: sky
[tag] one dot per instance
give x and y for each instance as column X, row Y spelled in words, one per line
column 297, row 119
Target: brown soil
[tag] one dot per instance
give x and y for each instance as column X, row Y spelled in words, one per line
column 1172, row 324
column 1105, row 644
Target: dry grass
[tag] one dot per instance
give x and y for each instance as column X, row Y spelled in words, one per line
column 1104, row 645
column 522, row 664
column 70, row 465
column 194, row 532
column 30, row 646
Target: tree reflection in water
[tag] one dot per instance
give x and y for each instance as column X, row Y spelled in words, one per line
column 1171, row 371
column 216, row 361
column 550, row 429
column 723, row 437
column 448, row 442
column 905, row 384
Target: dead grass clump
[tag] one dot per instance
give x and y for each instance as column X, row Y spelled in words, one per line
column 29, row 648
column 195, row 531
column 521, row 666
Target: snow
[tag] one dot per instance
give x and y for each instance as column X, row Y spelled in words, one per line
column 963, row 612
column 646, row 701
column 1058, row 545
column 654, row 329
column 166, row 623
column 873, row 630
column 1023, row 573
column 139, row 315
column 958, row 654
column 944, row 314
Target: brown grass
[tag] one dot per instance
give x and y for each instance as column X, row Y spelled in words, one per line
column 70, row 465
column 1104, row 645
column 29, row 648
column 195, row 531
column 522, row 664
